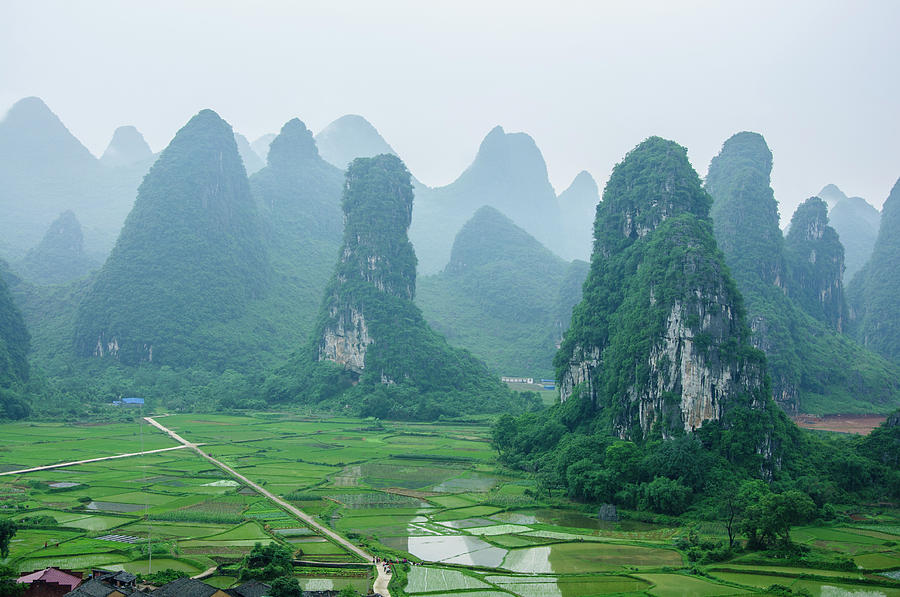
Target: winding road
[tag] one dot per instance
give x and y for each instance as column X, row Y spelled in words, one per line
column 381, row 581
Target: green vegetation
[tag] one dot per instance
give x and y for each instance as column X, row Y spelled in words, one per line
column 814, row 369
column 872, row 294
column 478, row 528
column 266, row 562
column 189, row 256
column 14, row 345
column 658, row 290
column 8, row 530
column 815, row 259
column 370, row 330
column 504, row 296
column 60, row 256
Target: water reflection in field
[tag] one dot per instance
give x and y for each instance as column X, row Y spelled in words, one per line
column 456, row 549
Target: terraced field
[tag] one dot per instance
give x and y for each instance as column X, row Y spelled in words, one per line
column 430, row 494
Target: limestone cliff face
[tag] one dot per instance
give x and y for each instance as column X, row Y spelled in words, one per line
column 376, row 254
column 346, row 340
column 659, row 344
column 816, row 261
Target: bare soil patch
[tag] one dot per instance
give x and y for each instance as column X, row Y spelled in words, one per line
column 858, row 424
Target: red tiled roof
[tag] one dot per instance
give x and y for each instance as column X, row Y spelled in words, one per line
column 51, row 575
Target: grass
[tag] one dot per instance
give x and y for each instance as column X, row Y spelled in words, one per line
column 389, row 486
column 680, row 585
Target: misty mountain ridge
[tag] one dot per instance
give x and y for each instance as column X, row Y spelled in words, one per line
column 856, row 222
column 578, row 207
column 60, row 256
column 45, row 170
column 813, row 367
column 190, row 254
column 508, row 174
column 503, row 295
column 126, row 147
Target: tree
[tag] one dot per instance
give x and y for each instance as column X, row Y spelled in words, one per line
column 768, row 517
column 266, row 562
column 8, row 530
column 8, row 585
column 285, row 586
column 348, row 592
column 503, row 433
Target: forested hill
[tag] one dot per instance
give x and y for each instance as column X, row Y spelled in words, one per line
column 369, row 329
column 190, row 254
column 503, row 295
column 45, row 170
column 14, row 345
column 509, row 174
column 815, row 259
column 813, row 367
column 299, row 196
column 875, row 290
column 662, row 315
column 60, row 256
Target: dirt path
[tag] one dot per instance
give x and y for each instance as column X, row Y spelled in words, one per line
column 383, row 578
column 89, row 460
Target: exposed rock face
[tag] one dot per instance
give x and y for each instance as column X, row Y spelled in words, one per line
column 190, row 255
column 659, row 343
column 813, row 367
column 369, row 324
column 127, row 147
column 746, row 225
column 345, row 342
column 60, row 256
column 874, row 291
column 376, row 252
column 578, row 206
column 816, row 259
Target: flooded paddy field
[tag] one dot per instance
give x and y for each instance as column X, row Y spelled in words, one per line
column 430, row 494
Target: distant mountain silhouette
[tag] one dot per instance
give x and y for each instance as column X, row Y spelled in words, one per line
column 60, row 256
column 578, row 207
column 126, row 148
column 190, row 254
column 856, row 222
column 252, row 161
column 508, row 174
column 261, row 145
column 350, row 137
column 502, row 296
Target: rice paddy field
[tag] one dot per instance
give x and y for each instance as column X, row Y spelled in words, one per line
column 432, row 494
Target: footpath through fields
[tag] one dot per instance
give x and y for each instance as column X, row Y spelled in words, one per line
column 383, row 578
column 89, row 460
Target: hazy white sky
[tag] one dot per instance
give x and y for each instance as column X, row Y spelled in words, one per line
column 588, row 80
